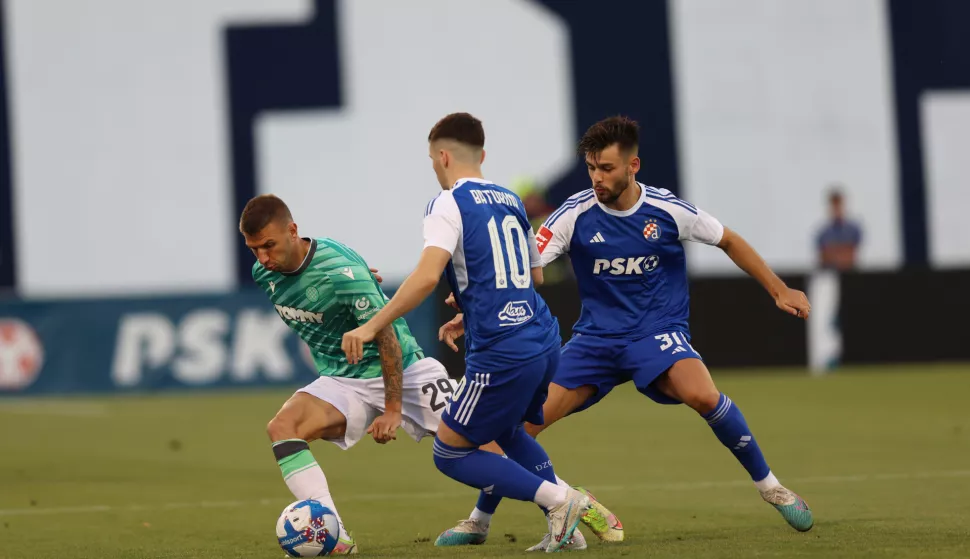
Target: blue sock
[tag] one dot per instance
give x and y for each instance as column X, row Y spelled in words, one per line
column 525, row 450
column 732, row 430
column 487, row 503
column 486, row 471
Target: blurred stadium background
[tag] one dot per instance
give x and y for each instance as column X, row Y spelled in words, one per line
column 138, row 365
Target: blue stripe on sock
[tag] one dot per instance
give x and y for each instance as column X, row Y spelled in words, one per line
column 446, row 451
column 732, row 430
column 723, row 406
column 484, row 470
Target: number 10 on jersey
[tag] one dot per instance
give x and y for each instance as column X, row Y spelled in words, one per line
column 520, row 269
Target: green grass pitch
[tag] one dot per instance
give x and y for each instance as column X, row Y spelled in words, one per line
column 881, row 454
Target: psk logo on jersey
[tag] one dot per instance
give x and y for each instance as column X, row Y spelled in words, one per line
column 636, row 265
column 312, row 294
column 515, row 312
column 651, row 230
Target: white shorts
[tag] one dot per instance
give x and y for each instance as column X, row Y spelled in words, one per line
column 423, row 397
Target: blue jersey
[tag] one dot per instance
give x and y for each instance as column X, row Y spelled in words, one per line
column 630, row 265
column 493, row 250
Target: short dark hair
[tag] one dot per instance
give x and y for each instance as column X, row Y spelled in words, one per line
column 619, row 130
column 835, row 194
column 461, row 127
column 261, row 211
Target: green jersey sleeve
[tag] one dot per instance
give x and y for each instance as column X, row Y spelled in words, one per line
column 356, row 288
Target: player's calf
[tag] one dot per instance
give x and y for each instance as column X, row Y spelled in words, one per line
column 460, row 460
column 730, row 427
column 690, row 382
column 457, row 458
column 304, row 418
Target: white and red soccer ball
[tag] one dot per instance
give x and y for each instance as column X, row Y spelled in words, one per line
column 21, row 354
column 307, row 529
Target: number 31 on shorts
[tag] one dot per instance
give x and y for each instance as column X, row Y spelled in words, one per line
column 675, row 338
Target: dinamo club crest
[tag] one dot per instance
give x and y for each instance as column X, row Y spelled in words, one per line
column 651, row 230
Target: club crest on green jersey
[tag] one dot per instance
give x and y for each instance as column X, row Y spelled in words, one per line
column 312, row 294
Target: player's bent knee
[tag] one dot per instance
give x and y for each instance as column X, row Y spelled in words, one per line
column 702, row 401
column 281, row 428
column 689, row 381
column 449, row 448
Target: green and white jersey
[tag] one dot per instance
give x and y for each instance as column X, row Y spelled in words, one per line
column 331, row 293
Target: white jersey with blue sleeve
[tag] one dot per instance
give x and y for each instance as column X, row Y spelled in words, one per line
column 493, row 250
column 630, row 265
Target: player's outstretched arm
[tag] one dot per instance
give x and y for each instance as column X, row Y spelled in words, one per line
column 384, row 428
column 745, row 257
column 415, row 289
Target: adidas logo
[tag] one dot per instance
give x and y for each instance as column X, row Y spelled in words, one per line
column 679, row 349
column 597, row 238
column 744, row 442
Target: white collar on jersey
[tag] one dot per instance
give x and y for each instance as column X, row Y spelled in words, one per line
column 631, row 211
column 460, row 182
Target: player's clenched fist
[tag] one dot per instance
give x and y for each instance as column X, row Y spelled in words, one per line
column 793, row 301
column 353, row 343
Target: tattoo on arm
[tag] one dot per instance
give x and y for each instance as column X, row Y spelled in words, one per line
column 392, row 366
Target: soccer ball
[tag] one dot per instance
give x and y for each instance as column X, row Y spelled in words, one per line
column 307, row 529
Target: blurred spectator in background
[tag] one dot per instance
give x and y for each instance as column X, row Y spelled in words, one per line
column 838, row 242
column 537, row 209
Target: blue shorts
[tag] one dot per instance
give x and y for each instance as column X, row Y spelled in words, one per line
column 609, row 362
column 487, row 405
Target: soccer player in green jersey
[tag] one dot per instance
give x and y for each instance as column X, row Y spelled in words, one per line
column 322, row 289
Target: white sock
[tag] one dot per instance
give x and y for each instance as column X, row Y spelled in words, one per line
column 770, row 482
column 481, row 516
column 306, row 479
column 550, row 496
column 561, row 482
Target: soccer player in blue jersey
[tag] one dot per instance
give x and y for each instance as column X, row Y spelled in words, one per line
column 478, row 233
column 625, row 242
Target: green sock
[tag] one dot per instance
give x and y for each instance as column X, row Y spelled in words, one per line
column 302, row 474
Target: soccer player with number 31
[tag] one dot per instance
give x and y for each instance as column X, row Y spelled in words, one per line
column 626, row 244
